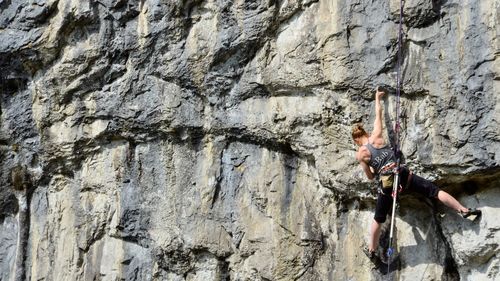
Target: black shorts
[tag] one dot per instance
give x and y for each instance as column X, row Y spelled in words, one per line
column 417, row 184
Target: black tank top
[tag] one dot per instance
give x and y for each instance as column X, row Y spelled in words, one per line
column 380, row 157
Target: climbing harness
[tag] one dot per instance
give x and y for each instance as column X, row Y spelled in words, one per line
column 397, row 128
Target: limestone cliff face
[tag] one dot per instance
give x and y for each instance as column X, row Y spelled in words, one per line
column 210, row 139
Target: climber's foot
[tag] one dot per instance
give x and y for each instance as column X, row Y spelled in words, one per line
column 470, row 212
column 374, row 258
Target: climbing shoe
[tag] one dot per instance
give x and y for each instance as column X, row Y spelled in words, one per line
column 377, row 262
column 470, row 212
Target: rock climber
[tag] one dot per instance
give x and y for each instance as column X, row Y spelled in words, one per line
column 378, row 161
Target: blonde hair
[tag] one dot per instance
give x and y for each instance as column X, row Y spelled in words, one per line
column 358, row 131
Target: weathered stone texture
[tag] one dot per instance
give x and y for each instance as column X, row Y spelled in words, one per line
column 210, row 139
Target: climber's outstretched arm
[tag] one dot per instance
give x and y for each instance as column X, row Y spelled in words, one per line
column 377, row 126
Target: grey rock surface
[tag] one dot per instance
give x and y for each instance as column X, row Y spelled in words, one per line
column 210, row 139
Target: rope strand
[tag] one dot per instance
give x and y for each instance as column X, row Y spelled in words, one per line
column 397, row 131
column 397, row 128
